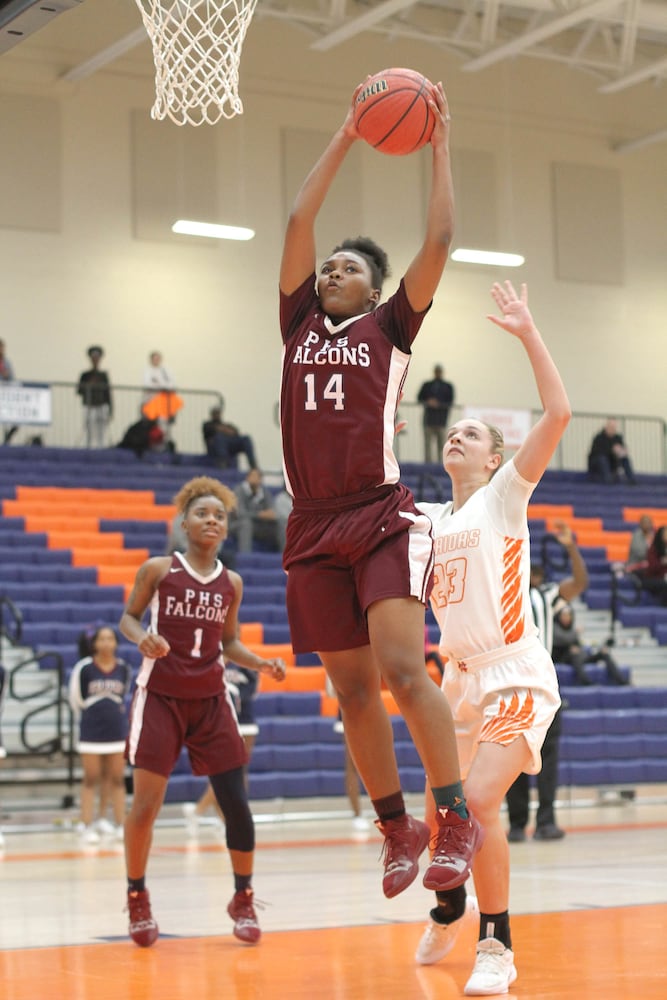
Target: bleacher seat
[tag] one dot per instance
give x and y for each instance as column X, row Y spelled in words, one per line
column 81, row 613
column 582, row 722
column 583, row 748
column 651, row 698
column 298, row 751
column 581, row 698
column 277, row 634
column 655, row 770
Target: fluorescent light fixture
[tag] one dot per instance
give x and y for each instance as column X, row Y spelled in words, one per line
column 186, row 227
column 466, row 256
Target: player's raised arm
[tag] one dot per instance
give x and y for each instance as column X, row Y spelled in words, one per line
column 425, row 271
column 298, row 260
column 535, row 453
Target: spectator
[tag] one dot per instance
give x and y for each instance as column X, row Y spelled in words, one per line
column 98, row 688
column 145, row 435
column 654, row 575
column 608, row 454
column 436, row 397
column 3, row 752
column 161, row 402
column 569, row 648
column 256, row 519
column 157, row 377
column 3, row 679
column 431, row 655
column 641, row 539
column 224, row 441
column 282, row 504
column 543, row 597
column 6, row 375
column 95, row 391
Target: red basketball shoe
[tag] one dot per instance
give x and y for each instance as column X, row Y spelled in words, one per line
column 404, row 840
column 242, row 912
column 455, row 844
column 144, row 931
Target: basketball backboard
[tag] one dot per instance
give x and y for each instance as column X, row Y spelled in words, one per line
column 20, row 18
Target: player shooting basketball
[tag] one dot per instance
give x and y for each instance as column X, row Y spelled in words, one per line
column 359, row 555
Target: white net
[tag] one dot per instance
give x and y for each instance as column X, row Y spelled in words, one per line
column 197, row 50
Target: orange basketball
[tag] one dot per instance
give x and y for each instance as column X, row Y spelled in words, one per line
column 392, row 113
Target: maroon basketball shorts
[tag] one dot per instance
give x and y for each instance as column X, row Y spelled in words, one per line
column 160, row 727
column 339, row 562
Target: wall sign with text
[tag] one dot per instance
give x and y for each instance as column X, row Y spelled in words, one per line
column 25, row 403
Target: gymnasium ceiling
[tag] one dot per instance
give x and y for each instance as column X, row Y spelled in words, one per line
column 619, row 44
column 612, row 39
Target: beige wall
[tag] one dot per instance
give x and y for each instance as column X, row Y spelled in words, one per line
column 212, row 310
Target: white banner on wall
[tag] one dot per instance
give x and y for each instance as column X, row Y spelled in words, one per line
column 514, row 424
column 25, row 403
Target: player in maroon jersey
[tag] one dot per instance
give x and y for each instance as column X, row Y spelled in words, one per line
column 359, row 555
column 181, row 699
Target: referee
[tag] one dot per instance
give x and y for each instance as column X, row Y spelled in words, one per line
column 544, row 597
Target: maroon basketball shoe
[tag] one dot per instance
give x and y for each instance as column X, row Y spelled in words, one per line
column 404, row 840
column 242, row 912
column 143, row 929
column 455, row 843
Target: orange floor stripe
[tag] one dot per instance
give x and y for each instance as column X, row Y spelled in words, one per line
column 611, row 953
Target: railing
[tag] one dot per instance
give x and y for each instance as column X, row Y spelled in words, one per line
column 67, row 429
column 60, row 739
column 11, row 622
column 645, row 438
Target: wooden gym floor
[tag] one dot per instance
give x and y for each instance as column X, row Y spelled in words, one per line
column 589, row 913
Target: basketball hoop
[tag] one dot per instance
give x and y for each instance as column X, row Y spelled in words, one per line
column 196, row 50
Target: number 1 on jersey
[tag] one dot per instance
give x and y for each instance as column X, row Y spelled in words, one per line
column 196, row 649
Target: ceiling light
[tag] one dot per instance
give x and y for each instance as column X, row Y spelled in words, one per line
column 186, row 227
column 466, row 256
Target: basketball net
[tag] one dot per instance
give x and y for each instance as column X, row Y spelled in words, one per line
column 196, row 50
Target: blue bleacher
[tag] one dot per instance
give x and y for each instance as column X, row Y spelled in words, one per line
column 611, row 735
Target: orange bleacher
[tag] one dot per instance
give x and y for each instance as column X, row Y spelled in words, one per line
column 657, row 514
column 70, row 517
column 542, row 511
column 74, row 539
column 589, row 531
column 60, row 502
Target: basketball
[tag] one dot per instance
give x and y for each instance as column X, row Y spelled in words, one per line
column 391, row 111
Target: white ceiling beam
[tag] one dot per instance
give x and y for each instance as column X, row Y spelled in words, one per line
column 553, row 27
column 338, row 9
column 489, row 22
column 630, row 30
column 105, row 56
column 351, row 28
column 653, row 69
column 641, row 142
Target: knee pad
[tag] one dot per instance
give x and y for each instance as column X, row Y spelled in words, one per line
column 230, row 793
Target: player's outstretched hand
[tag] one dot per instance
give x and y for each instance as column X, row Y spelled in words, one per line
column 516, row 317
column 440, row 109
column 563, row 533
column 153, row 646
column 276, row 668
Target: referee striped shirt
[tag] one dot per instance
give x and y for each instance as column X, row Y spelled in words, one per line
column 543, row 601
